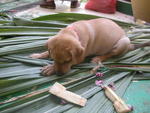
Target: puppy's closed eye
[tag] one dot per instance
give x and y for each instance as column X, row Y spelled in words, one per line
column 67, row 60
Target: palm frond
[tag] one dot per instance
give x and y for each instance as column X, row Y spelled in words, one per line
column 23, row 87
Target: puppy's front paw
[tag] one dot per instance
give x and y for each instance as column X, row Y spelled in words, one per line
column 96, row 60
column 48, row 70
column 35, row 55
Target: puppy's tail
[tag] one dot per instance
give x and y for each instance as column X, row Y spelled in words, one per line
column 136, row 46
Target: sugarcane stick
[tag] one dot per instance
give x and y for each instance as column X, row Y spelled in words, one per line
column 94, row 70
column 119, row 104
column 60, row 91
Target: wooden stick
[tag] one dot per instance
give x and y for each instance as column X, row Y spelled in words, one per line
column 94, row 70
column 60, row 91
column 119, row 104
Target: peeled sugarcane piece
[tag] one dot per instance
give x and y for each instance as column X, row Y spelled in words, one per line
column 94, row 70
column 119, row 104
column 60, row 91
column 89, row 93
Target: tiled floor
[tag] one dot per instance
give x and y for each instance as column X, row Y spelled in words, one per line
column 65, row 7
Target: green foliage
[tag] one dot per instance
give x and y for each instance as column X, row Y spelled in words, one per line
column 24, row 90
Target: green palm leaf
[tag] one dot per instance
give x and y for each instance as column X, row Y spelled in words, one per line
column 23, row 87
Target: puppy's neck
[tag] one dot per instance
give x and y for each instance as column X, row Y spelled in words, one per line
column 71, row 31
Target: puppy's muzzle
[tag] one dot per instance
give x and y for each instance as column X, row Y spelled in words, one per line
column 59, row 73
column 62, row 69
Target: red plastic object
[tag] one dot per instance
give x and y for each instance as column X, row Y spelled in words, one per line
column 104, row 6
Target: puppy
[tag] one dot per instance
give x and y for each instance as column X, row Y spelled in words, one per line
column 101, row 37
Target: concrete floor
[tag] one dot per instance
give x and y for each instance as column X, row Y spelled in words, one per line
column 65, row 7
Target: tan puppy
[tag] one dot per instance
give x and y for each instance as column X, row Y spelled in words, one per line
column 72, row 44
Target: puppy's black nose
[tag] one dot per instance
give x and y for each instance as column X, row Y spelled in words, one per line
column 59, row 73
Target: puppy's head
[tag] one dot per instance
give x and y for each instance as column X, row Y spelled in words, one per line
column 65, row 51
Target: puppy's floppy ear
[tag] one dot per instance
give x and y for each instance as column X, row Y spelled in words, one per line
column 78, row 54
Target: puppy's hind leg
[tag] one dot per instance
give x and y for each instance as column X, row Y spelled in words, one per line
column 121, row 47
